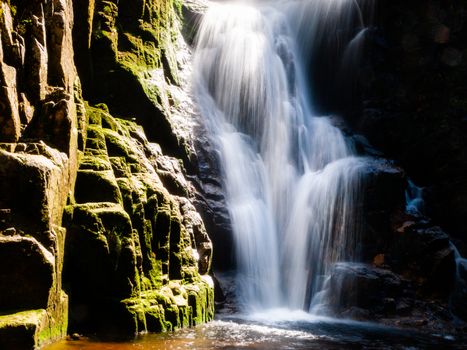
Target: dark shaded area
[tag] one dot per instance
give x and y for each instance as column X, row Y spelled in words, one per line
column 414, row 101
column 406, row 94
column 26, row 274
column 17, row 337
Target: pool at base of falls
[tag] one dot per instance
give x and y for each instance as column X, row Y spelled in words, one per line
column 277, row 329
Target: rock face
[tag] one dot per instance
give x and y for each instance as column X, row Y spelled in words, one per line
column 131, row 46
column 144, row 247
column 135, row 248
column 119, row 66
column 38, row 150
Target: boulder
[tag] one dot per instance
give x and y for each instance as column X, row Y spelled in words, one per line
column 355, row 285
column 384, row 188
column 426, row 254
column 31, row 329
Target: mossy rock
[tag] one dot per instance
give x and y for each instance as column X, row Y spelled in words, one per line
column 133, row 233
column 95, row 163
column 21, row 330
column 120, row 167
column 32, row 329
column 94, row 115
column 96, row 186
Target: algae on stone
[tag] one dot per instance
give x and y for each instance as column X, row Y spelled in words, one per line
column 140, row 270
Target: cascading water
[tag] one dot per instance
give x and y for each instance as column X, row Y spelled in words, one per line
column 292, row 181
column 414, row 199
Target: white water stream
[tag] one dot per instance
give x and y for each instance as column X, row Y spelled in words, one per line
column 292, row 181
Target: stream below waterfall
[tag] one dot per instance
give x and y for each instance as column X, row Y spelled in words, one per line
column 258, row 332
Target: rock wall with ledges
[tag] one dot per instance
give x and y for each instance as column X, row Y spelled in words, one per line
column 85, row 195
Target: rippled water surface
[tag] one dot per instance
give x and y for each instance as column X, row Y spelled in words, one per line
column 297, row 331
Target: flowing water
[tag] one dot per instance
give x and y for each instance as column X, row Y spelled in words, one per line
column 299, row 331
column 415, row 204
column 292, row 180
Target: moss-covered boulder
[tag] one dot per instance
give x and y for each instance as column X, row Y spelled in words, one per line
column 145, row 249
column 30, row 329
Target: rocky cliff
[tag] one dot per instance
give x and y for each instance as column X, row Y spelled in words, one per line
column 94, row 218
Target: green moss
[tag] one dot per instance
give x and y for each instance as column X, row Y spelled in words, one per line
column 103, row 107
column 30, row 318
column 133, row 232
column 95, row 131
column 37, row 325
column 94, row 116
column 96, row 163
column 68, row 213
column 95, row 143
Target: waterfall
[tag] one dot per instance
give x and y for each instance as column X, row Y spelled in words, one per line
column 292, row 180
column 415, row 204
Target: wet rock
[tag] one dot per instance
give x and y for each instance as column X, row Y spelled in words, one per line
column 414, row 110
column 356, row 313
column 195, row 227
column 386, row 185
column 210, row 201
column 363, row 286
column 193, row 11
column 384, row 196
column 426, row 253
column 170, row 171
column 462, row 269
